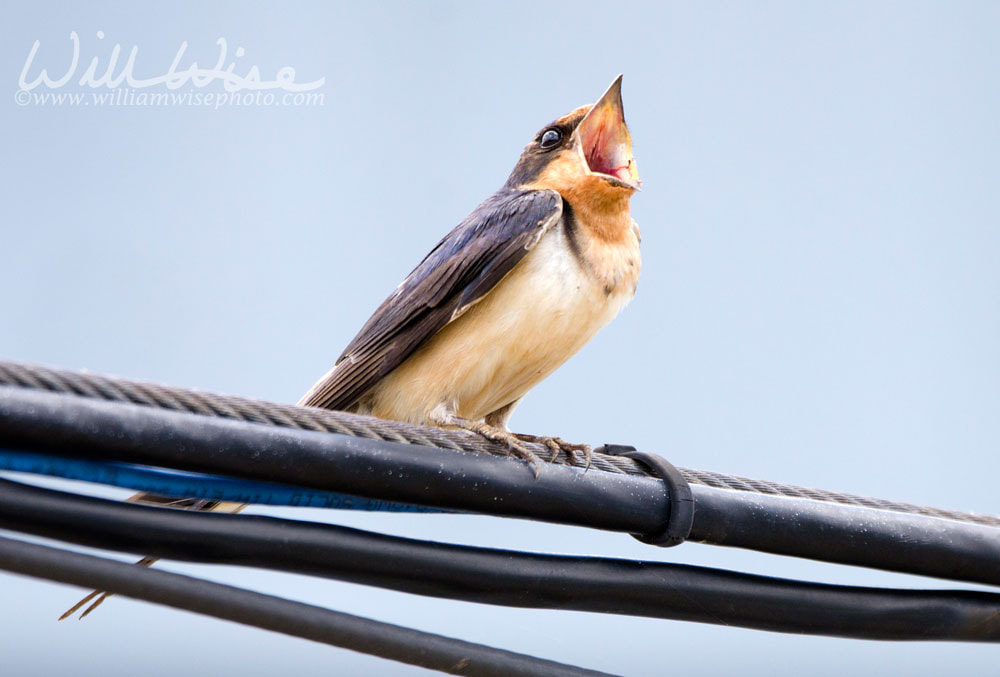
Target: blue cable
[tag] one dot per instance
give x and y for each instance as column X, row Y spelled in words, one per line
column 192, row 485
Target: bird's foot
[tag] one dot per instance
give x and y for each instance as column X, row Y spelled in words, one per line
column 512, row 441
column 495, row 434
column 557, row 444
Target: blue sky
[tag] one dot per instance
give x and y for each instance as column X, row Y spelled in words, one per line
column 819, row 302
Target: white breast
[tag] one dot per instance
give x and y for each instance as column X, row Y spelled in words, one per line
column 538, row 316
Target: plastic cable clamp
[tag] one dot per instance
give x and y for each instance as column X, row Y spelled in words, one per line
column 681, row 517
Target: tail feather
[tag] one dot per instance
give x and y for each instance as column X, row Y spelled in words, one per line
column 165, row 502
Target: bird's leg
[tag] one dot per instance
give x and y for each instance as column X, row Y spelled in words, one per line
column 557, row 444
column 501, row 416
column 493, row 433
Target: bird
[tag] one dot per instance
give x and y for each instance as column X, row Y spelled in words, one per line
column 512, row 292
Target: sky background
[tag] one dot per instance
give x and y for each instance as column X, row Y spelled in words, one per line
column 819, row 304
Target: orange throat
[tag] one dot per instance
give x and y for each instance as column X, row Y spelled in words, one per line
column 600, row 207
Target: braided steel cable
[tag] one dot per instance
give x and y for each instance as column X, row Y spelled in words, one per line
column 308, row 418
column 273, row 413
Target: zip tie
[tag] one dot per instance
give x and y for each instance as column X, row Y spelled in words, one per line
column 681, row 516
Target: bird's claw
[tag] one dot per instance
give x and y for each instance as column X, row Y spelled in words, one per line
column 557, row 444
column 525, row 454
column 513, row 442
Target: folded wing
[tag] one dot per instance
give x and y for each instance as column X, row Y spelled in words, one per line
column 457, row 273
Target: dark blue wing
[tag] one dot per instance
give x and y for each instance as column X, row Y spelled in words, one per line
column 460, row 270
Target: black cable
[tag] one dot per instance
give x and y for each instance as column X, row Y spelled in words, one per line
column 356, row 633
column 504, row 577
column 79, row 427
column 89, row 385
column 680, row 517
column 905, row 542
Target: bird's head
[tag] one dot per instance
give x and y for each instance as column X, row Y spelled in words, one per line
column 585, row 155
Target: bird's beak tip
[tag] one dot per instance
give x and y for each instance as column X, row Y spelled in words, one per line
column 605, row 139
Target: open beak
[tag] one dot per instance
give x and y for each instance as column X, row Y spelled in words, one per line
column 605, row 142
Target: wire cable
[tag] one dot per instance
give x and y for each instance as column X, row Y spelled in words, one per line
column 305, row 418
column 78, row 427
column 89, row 428
column 297, row 619
column 504, row 577
column 181, row 484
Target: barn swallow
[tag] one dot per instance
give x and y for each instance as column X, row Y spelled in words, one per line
column 519, row 286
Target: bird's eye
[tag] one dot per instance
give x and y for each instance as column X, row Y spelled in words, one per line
column 550, row 139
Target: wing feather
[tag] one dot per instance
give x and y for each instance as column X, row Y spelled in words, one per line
column 458, row 272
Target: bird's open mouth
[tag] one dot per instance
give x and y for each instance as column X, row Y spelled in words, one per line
column 605, row 142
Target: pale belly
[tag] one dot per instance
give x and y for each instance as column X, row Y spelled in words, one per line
column 535, row 319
